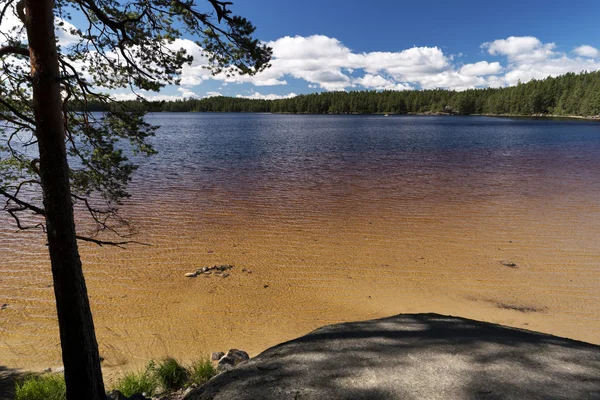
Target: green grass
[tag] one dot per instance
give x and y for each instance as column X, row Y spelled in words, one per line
column 170, row 374
column 42, row 387
column 201, row 371
column 138, row 382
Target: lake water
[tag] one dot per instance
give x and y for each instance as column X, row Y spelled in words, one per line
column 339, row 218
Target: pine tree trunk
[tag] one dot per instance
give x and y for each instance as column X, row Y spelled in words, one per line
column 78, row 339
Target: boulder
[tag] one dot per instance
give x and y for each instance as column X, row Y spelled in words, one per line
column 225, row 364
column 231, row 359
column 116, row 395
column 239, row 355
column 216, row 355
column 137, row 396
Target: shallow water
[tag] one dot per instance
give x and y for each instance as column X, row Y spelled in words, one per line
column 338, row 218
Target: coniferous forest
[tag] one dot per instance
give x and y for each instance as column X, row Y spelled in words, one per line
column 566, row 95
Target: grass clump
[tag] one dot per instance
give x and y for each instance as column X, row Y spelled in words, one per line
column 201, row 371
column 42, row 387
column 170, row 374
column 138, row 382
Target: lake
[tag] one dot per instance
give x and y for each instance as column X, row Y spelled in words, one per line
column 338, row 218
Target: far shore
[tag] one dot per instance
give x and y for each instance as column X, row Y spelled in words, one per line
column 426, row 113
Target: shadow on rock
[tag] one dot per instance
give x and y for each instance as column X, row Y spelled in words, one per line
column 414, row 357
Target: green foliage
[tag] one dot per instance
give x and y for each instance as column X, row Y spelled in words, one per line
column 119, row 45
column 570, row 94
column 201, row 371
column 170, row 374
column 139, row 382
column 43, row 387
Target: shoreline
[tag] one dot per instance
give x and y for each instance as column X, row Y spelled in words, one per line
column 423, row 114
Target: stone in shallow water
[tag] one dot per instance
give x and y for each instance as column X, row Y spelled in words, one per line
column 216, row 355
column 190, row 275
column 509, row 264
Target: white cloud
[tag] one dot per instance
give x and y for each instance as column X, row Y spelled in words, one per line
column 213, row 94
column 186, row 93
column 481, row 68
column 555, row 66
column 586, row 51
column 258, row 96
column 326, row 63
column 521, row 49
column 378, row 82
column 513, row 45
column 11, row 27
column 149, row 97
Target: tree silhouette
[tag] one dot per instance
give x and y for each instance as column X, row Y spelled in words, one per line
column 64, row 156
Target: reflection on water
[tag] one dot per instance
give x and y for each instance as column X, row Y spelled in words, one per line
column 339, row 218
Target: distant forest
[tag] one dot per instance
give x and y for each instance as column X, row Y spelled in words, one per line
column 566, row 95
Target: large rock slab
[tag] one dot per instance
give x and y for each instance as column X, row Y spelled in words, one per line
column 419, row 356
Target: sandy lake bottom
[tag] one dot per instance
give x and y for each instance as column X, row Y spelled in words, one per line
column 358, row 238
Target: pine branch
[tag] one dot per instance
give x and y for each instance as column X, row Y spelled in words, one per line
column 14, row 50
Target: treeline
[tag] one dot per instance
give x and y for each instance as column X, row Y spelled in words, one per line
column 570, row 94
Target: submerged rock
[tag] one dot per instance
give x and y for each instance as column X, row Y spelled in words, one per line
column 509, row 264
column 191, row 275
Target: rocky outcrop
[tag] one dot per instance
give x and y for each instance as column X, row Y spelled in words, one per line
column 419, row 356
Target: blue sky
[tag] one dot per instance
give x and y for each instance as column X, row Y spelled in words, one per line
column 399, row 45
column 457, row 28
column 458, row 25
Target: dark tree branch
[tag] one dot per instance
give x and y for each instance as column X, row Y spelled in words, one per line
column 17, row 112
column 109, row 243
column 14, row 50
column 22, row 203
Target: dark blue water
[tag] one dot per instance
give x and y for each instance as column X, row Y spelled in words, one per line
column 410, row 156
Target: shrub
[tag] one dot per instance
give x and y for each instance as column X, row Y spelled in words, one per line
column 138, row 382
column 42, row 387
column 201, row 371
column 171, row 374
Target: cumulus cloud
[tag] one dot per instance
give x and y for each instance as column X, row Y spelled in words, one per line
column 481, row 68
column 150, row 97
column 513, row 46
column 326, row 63
column 378, row 82
column 186, row 93
column 258, row 96
column 521, row 49
column 586, row 51
column 12, row 28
